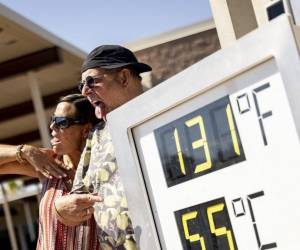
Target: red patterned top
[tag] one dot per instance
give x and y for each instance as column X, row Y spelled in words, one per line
column 54, row 235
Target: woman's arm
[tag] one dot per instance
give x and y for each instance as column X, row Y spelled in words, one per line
column 7, row 153
column 39, row 159
column 15, row 167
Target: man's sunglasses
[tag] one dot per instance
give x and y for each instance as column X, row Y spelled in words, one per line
column 64, row 122
column 89, row 81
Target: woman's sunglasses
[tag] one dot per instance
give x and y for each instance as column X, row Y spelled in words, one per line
column 64, row 122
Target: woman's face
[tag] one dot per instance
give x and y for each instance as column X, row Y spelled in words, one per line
column 70, row 139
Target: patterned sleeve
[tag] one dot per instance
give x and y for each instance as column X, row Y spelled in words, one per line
column 115, row 230
column 98, row 172
column 112, row 216
column 78, row 184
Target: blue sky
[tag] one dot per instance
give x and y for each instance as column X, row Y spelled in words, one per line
column 87, row 24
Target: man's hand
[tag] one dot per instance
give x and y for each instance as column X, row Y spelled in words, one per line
column 74, row 209
column 43, row 161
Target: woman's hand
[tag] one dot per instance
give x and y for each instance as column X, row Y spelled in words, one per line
column 73, row 209
column 43, row 161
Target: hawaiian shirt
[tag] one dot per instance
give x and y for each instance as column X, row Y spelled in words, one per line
column 98, row 172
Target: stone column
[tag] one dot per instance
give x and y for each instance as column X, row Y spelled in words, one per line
column 233, row 19
column 39, row 109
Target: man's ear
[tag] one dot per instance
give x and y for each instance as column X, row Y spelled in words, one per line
column 125, row 75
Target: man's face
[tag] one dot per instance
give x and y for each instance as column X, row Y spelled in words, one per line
column 107, row 92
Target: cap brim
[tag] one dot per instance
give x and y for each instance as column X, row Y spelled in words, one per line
column 139, row 67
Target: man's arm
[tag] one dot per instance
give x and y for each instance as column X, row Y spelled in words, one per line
column 73, row 209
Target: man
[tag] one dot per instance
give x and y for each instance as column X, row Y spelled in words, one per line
column 110, row 78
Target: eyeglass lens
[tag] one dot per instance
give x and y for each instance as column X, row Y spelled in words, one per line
column 89, row 81
column 61, row 122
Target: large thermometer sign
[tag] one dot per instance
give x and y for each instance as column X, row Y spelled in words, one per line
column 220, row 174
column 210, row 158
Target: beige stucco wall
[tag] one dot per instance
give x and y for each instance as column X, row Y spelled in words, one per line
column 236, row 18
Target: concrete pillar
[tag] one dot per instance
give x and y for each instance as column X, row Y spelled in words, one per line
column 233, row 19
column 294, row 10
column 295, row 6
column 259, row 7
column 39, row 109
column 9, row 221
column 29, row 221
column 22, row 239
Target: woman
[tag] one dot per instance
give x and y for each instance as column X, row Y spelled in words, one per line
column 72, row 120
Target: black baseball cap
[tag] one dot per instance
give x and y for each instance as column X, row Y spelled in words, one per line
column 112, row 57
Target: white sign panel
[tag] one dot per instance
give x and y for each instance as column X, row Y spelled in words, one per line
column 210, row 158
column 224, row 170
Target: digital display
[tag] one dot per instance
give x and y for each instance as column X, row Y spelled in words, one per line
column 206, row 226
column 201, row 142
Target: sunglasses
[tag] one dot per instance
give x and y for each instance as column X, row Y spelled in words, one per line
column 64, row 122
column 89, row 81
